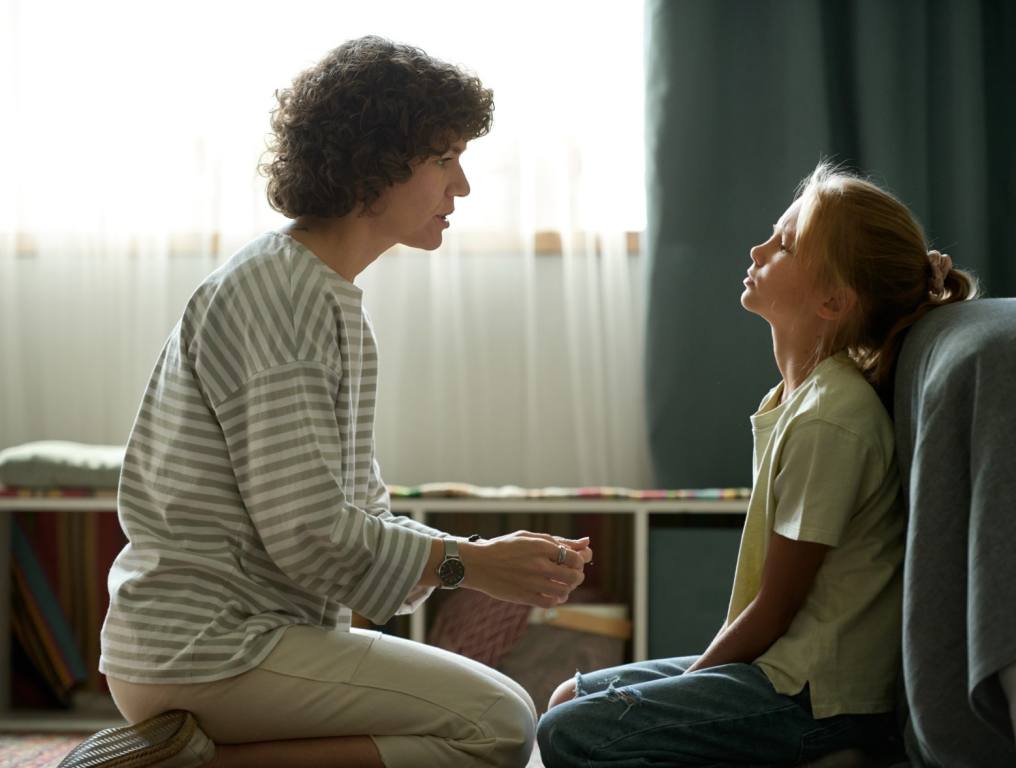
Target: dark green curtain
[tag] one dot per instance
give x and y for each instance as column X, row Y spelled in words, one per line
column 743, row 98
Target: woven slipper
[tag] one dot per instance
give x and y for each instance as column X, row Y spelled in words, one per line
column 169, row 740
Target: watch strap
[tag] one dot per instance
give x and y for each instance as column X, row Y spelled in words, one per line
column 451, row 547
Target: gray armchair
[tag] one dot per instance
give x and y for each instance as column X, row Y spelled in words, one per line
column 955, row 414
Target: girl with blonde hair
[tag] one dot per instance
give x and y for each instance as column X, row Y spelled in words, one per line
column 807, row 661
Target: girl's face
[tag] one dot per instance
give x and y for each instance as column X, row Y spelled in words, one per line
column 415, row 212
column 779, row 286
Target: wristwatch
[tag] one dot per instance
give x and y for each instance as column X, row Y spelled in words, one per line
column 451, row 571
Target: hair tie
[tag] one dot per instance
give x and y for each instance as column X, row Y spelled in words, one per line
column 941, row 264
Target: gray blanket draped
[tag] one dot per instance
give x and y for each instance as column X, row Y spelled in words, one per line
column 955, row 412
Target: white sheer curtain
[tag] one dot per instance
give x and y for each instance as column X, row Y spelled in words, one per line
column 132, row 132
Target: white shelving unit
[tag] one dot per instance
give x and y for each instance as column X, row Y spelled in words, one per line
column 95, row 713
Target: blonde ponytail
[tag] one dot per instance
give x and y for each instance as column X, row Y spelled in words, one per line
column 861, row 236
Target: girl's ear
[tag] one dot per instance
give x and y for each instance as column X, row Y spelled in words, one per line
column 838, row 304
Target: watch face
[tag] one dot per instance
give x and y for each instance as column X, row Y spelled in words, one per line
column 451, row 572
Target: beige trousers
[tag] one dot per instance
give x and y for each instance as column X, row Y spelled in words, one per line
column 422, row 706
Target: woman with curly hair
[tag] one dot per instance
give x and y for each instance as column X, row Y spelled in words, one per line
column 256, row 517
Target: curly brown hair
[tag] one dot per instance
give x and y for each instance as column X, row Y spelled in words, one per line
column 352, row 125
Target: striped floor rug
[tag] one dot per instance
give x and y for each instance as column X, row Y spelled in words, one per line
column 46, row 750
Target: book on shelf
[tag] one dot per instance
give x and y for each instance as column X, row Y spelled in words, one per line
column 60, row 562
column 39, row 623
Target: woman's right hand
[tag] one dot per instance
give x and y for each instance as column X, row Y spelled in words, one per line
column 522, row 567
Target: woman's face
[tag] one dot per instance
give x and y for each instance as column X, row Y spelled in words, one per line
column 415, row 212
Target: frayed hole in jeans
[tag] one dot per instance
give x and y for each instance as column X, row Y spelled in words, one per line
column 579, row 689
column 628, row 696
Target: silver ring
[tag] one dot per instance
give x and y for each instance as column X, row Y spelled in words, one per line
column 561, row 552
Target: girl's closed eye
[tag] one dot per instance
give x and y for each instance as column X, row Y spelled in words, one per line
column 778, row 237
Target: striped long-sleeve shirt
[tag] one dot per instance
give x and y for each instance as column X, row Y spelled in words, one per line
column 250, row 494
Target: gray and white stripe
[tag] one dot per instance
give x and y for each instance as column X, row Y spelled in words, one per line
column 250, row 494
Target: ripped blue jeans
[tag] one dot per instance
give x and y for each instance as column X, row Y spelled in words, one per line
column 651, row 714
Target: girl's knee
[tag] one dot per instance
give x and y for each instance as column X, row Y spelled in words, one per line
column 564, row 692
column 559, row 734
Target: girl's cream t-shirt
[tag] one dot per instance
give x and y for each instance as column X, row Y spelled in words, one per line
column 825, row 471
